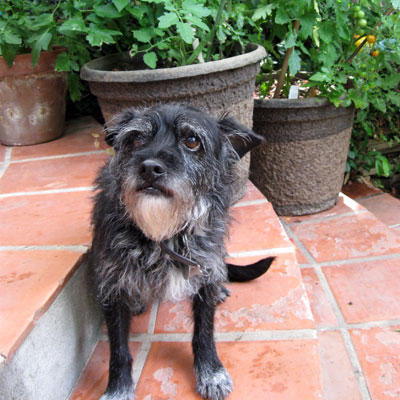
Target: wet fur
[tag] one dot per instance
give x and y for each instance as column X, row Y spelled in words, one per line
column 194, row 192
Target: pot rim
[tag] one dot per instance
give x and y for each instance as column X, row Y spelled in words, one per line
column 292, row 103
column 22, row 64
column 91, row 71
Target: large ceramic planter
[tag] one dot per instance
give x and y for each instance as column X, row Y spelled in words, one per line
column 216, row 87
column 32, row 100
column 300, row 167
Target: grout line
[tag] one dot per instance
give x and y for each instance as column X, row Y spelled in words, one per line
column 374, row 324
column 359, row 375
column 295, row 334
column 6, row 162
column 265, row 252
column 140, row 361
column 69, row 155
column 77, row 248
column 52, row 191
column 153, row 317
column 298, row 243
column 250, row 203
column 358, row 260
column 329, row 217
column 358, row 372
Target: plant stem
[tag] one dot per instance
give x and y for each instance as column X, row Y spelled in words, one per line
column 210, row 35
column 285, row 64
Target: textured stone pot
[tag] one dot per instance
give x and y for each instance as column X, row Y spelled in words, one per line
column 32, row 100
column 300, row 167
column 216, row 87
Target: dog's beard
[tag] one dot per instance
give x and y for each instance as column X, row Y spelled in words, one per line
column 159, row 216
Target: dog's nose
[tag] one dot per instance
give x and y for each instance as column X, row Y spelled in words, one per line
column 150, row 170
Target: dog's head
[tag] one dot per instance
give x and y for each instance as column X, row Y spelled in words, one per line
column 172, row 162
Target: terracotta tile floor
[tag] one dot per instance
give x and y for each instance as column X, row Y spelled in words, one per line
column 323, row 323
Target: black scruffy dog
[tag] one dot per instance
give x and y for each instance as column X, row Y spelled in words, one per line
column 160, row 221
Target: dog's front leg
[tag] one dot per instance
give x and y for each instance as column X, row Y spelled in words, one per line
column 120, row 382
column 213, row 381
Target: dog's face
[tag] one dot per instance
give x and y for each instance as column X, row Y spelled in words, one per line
column 170, row 159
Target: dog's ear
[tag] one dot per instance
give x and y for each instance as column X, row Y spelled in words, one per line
column 242, row 138
column 116, row 123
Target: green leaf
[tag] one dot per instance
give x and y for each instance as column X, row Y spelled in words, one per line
column 262, row 12
column 394, row 97
column 167, row 20
column 97, row 35
column 73, row 24
column 120, row 4
column 319, row 77
column 281, row 16
column 197, row 22
column 9, row 52
column 290, row 41
column 12, row 38
column 294, row 62
column 327, row 32
column 186, row 32
column 63, row 62
column 396, row 4
column 143, row 35
column 307, row 21
column 40, row 43
column 41, row 21
column 150, row 59
column 195, row 9
column 107, row 11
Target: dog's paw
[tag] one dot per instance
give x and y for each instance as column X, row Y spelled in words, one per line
column 224, row 293
column 214, row 385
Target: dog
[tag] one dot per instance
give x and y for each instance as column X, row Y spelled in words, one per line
column 160, row 219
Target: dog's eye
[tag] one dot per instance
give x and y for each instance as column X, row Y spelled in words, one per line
column 192, row 142
column 138, row 139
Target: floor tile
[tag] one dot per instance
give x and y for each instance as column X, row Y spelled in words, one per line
column 75, row 140
column 300, row 255
column 347, row 237
column 320, row 307
column 140, row 323
column 56, row 219
column 366, row 291
column 255, row 227
column 385, row 207
column 252, row 193
column 29, row 282
column 60, row 173
column 344, row 205
column 277, row 300
column 338, row 378
column 355, row 190
column 378, row 350
column 94, row 378
column 260, row 370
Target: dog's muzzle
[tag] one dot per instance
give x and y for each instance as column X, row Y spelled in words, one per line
column 151, row 172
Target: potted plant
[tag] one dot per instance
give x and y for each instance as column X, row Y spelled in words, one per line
column 181, row 51
column 301, row 166
column 32, row 92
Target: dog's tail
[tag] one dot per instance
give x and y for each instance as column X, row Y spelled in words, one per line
column 237, row 273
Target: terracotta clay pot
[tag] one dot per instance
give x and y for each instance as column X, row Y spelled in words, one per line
column 300, row 167
column 227, row 85
column 33, row 100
